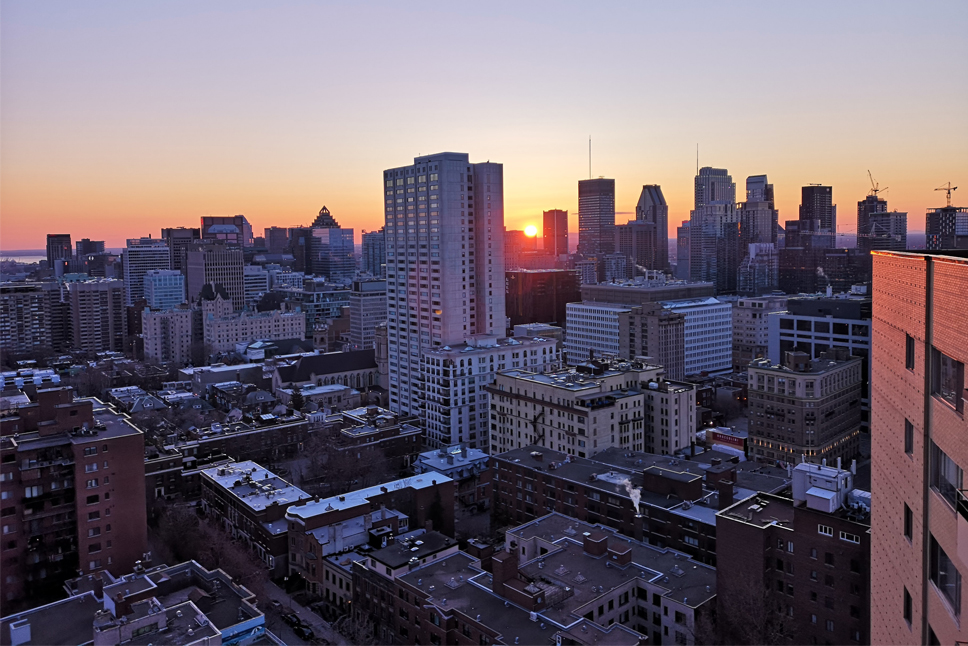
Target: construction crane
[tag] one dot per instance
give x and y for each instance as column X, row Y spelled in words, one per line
column 947, row 188
column 875, row 187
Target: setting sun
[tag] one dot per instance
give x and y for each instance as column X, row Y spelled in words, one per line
column 531, row 231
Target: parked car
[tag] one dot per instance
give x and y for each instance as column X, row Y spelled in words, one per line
column 292, row 619
column 304, row 632
column 276, row 604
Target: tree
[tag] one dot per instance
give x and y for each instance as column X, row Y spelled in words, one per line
column 298, row 401
column 751, row 613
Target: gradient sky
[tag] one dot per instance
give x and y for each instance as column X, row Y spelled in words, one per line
column 118, row 118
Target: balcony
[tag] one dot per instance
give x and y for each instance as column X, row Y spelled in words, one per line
column 962, row 507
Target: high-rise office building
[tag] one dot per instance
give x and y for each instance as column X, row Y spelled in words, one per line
column 331, row 248
column 375, row 253
column 445, row 262
column 652, row 209
column 368, row 309
column 141, row 256
column 58, row 247
column 86, row 246
column 179, row 239
column 919, row 553
column 714, row 243
column 818, row 217
column 218, row 264
column 540, row 295
column 757, row 216
column 683, row 250
column 596, row 216
column 255, row 283
column 759, row 271
column 164, row 288
column 277, row 239
column 946, row 228
column 555, row 232
column 871, row 204
column 714, row 185
column 233, row 230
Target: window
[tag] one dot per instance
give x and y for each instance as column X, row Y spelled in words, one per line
column 908, row 607
column 908, row 437
column 948, row 379
column 945, row 576
column 33, row 492
column 850, row 538
column 909, row 352
column 945, row 475
column 908, row 522
column 825, row 530
column 830, row 625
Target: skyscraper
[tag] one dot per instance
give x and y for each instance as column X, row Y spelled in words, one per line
column 445, row 262
column 58, row 247
column 87, row 246
column 714, row 185
column 596, row 216
column 946, row 228
column 683, row 250
column 887, row 231
column 220, row 227
column 652, row 208
column 218, row 264
column 757, row 216
column 277, row 239
column 179, row 239
column 918, row 448
column 331, row 248
column 375, row 253
column 871, row 204
column 141, row 256
column 818, row 217
column 555, row 232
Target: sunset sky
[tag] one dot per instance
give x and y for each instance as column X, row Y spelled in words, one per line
column 117, row 119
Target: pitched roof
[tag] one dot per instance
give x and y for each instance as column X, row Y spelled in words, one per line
column 325, row 364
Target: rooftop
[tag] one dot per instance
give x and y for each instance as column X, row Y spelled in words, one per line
column 407, row 547
column 692, row 302
column 255, row 486
column 361, row 496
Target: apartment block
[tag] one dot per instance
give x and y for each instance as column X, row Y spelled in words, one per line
column 557, row 580
column 223, row 328
column 667, row 501
column 805, row 408
column 169, row 334
column 250, row 503
column 919, row 544
column 73, row 490
column 799, row 566
column 24, row 318
column 652, row 332
column 97, row 315
column 455, row 380
column 707, row 334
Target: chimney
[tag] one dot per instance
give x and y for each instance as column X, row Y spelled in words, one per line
column 715, row 462
column 853, row 467
column 725, row 488
column 638, row 527
column 504, row 567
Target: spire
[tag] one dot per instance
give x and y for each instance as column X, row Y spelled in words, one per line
column 325, row 220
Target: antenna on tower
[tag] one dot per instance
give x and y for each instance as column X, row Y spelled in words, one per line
column 697, row 159
column 589, row 156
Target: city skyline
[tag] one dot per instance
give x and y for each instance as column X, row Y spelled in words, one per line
column 120, row 120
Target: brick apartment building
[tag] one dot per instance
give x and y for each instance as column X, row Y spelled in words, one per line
column 73, row 490
column 678, row 498
column 319, row 528
column 919, row 550
column 557, row 580
column 250, row 503
column 811, row 553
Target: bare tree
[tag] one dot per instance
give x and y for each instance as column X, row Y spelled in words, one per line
column 752, row 613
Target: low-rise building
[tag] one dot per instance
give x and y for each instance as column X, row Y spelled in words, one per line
column 556, row 580
column 374, row 435
column 250, row 503
column 222, row 328
column 321, row 528
column 356, row 369
column 797, row 566
column 469, row 468
column 805, row 407
column 665, row 501
column 332, row 397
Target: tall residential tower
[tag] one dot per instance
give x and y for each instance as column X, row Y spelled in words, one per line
column 596, row 217
column 445, row 262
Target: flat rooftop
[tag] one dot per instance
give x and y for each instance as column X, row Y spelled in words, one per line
column 361, row 496
column 255, row 486
column 418, row 544
column 69, row 621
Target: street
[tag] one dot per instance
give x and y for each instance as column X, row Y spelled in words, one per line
column 275, row 623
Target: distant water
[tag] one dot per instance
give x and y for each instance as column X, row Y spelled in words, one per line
column 27, row 256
